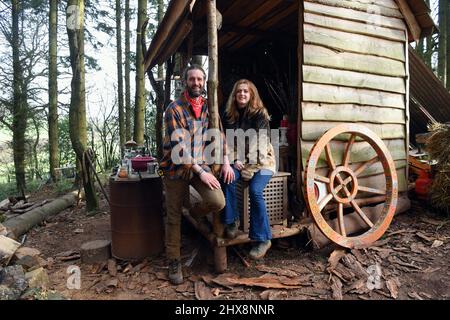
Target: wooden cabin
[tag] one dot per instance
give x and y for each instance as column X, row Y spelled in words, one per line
column 320, row 62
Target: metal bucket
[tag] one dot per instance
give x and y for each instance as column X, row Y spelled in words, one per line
column 137, row 229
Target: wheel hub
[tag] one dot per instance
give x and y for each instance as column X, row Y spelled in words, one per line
column 340, row 179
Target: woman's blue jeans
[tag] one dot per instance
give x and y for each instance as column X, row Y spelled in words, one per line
column 259, row 220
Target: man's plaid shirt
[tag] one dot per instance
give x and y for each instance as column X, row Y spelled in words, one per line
column 179, row 115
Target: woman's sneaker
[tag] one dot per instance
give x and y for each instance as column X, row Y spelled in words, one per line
column 231, row 230
column 260, row 249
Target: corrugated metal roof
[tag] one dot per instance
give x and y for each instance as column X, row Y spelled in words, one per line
column 429, row 99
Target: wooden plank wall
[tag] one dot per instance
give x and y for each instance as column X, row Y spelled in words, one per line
column 355, row 70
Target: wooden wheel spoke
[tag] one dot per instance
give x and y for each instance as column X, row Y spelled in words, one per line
column 346, row 159
column 365, row 165
column 361, row 214
column 320, row 178
column 371, row 190
column 325, row 201
column 341, row 219
column 329, row 156
column 343, row 182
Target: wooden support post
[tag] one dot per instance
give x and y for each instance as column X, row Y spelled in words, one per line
column 220, row 253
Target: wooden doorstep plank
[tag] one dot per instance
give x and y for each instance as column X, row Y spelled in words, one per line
column 355, row 27
column 361, row 151
column 313, row 130
column 334, row 94
column 354, row 15
column 363, row 7
column 350, row 42
column 351, row 113
column 353, row 79
column 325, row 57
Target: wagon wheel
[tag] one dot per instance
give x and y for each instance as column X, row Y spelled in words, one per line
column 342, row 186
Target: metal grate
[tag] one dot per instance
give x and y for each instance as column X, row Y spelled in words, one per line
column 275, row 195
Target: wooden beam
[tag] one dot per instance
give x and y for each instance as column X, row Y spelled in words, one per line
column 353, row 79
column 170, row 20
column 213, row 83
column 356, row 27
column 364, row 7
column 255, row 31
column 177, row 38
column 325, row 57
column 353, row 15
column 350, row 42
column 336, row 94
column 411, row 21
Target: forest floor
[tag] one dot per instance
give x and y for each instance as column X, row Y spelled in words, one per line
column 412, row 261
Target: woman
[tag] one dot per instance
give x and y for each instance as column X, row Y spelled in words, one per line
column 246, row 111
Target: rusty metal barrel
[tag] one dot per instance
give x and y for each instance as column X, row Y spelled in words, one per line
column 137, row 229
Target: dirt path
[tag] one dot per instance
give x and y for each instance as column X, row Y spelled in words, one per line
column 412, row 259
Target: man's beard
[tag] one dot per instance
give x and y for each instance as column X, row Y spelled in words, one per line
column 195, row 94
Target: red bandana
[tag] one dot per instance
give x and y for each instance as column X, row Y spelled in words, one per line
column 196, row 104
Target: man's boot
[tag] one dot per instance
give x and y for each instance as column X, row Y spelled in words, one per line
column 175, row 273
column 231, row 230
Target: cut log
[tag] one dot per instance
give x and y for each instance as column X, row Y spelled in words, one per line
column 95, row 251
column 19, row 225
column 353, row 223
column 7, row 248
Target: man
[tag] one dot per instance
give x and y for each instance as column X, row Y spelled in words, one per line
column 186, row 121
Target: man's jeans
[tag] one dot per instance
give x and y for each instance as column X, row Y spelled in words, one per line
column 176, row 191
column 259, row 220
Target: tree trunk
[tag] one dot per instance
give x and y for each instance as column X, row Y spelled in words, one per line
column 19, row 101
column 37, row 174
column 139, row 105
column 161, row 98
column 77, row 110
column 430, row 47
column 159, row 91
column 127, row 72
column 447, row 43
column 53, row 90
column 160, row 17
column 442, row 59
column 120, row 76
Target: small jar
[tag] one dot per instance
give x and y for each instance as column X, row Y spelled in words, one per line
column 123, row 172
